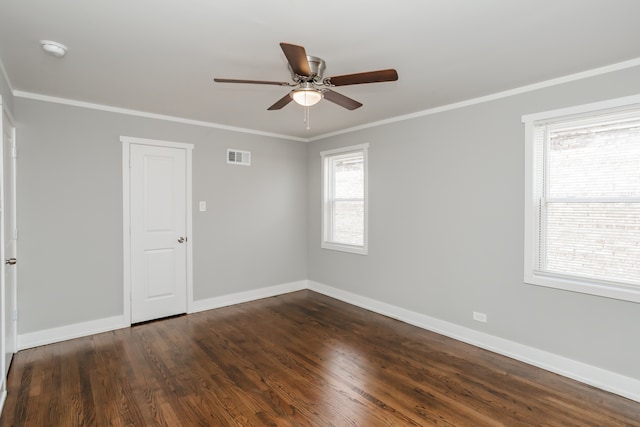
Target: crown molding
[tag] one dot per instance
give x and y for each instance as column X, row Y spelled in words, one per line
column 89, row 105
column 462, row 104
column 499, row 95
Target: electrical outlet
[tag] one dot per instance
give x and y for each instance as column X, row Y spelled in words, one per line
column 479, row 317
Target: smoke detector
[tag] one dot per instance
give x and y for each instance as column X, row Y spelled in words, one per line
column 53, row 48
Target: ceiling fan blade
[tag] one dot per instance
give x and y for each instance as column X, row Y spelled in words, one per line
column 281, row 102
column 297, row 57
column 255, row 82
column 389, row 75
column 341, row 100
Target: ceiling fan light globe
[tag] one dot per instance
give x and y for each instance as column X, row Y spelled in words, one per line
column 306, row 97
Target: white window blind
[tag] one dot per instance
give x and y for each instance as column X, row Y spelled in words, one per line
column 348, row 199
column 586, row 191
column 344, row 199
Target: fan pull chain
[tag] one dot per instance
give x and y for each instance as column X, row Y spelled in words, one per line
column 307, row 117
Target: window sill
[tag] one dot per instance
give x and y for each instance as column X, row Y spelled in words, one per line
column 360, row 250
column 605, row 289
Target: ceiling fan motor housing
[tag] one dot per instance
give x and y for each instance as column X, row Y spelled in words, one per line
column 316, row 65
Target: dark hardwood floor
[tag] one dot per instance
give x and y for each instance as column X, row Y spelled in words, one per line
column 301, row 359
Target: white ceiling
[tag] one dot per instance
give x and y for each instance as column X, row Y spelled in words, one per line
column 160, row 56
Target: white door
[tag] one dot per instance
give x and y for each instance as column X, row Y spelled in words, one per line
column 10, row 236
column 158, row 212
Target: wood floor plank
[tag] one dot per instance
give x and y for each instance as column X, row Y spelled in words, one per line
column 300, row 359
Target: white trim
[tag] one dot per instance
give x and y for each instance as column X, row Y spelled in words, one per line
column 619, row 200
column 344, row 150
column 155, row 142
column 126, row 233
column 3, row 397
column 189, row 228
column 3, row 266
column 92, row 106
column 499, row 95
column 8, row 307
column 13, row 304
column 625, row 101
column 127, row 141
column 594, row 376
column 601, row 288
column 252, row 295
column 67, row 332
column 352, row 249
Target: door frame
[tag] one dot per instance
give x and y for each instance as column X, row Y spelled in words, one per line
column 127, row 141
column 13, row 304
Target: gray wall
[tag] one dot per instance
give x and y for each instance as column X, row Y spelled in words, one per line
column 70, row 211
column 446, row 228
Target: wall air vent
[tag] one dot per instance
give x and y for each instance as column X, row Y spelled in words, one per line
column 238, row 157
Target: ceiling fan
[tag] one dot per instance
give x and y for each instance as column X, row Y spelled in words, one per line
column 310, row 84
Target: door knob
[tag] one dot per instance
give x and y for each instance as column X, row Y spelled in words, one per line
column 182, row 239
column 10, row 261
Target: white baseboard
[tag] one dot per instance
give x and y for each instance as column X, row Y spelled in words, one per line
column 240, row 297
column 3, row 398
column 77, row 330
column 597, row 377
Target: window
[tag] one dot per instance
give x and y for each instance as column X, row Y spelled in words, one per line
column 344, row 199
column 582, row 207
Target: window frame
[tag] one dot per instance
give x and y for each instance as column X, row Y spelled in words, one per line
column 532, row 276
column 327, row 198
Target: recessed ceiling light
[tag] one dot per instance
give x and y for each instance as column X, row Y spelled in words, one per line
column 54, row 48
